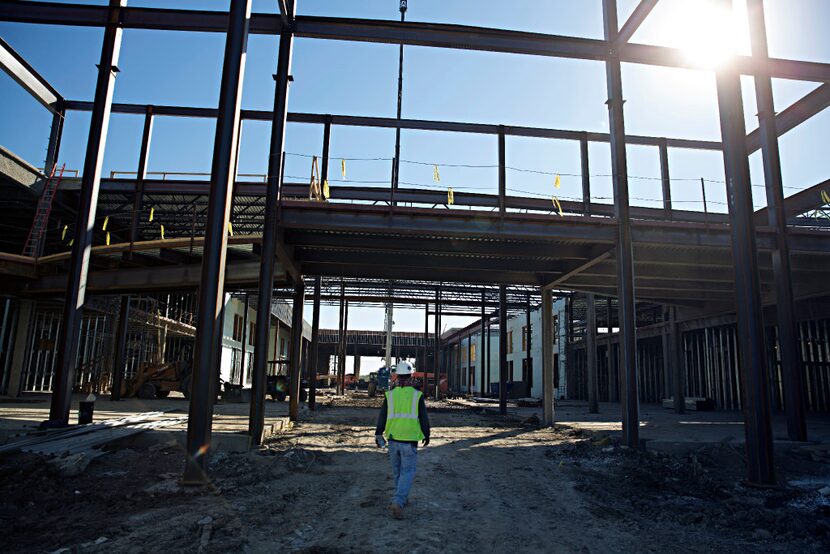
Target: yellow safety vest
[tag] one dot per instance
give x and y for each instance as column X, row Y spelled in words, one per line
column 402, row 415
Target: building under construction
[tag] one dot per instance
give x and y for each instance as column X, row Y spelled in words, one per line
column 145, row 284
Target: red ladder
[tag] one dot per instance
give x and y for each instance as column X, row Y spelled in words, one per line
column 34, row 242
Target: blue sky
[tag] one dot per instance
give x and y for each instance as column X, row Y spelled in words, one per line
column 361, row 79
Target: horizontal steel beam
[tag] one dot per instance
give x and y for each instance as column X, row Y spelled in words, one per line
column 394, row 32
column 403, row 273
column 799, row 112
column 411, row 124
column 19, row 69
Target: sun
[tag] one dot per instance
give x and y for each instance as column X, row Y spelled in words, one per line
column 705, row 31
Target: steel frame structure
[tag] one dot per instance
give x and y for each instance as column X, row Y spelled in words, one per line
column 612, row 245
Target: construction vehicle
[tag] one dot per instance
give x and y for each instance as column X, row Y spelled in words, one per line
column 278, row 386
column 157, row 380
column 379, row 381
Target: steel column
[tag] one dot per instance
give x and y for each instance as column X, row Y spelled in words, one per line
column 791, row 365
column 340, row 339
column 67, row 350
column 244, row 339
column 678, row 361
column 528, row 343
column 212, row 286
column 315, row 345
column 256, row 421
column 483, row 351
column 487, row 352
column 141, row 174
column 547, row 356
column 591, row 352
column 470, row 364
column 396, row 162
column 426, row 339
column 324, row 169
column 502, row 172
column 294, row 351
column 586, row 174
column 503, row 350
column 55, row 136
column 750, row 328
column 436, row 370
column 625, row 255
column 120, row 347
column 665, row 177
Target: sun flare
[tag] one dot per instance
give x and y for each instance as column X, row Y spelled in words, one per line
column 705, row 32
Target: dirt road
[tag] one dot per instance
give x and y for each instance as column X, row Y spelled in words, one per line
column 482, row 485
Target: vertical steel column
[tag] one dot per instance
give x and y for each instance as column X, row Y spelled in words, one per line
column 481, row 355
column 212, row 282
column 586, row 174
column 426, row 338
column 502, row 173
column 396, row 163
column 502, row 350
column 437, row 348
column 665, row 177
column 470, row 378
column 120, row 347
column 315, row 344
column 55, row 136
column 487, row 351
column 256, row 421
column 750, row 329
column 677, row 358
column 528, row 357
column 67, row 350
column 340, row 332
column 294, row 350
column 345, row 351
column 141, row 174
column 591, row 352
column 244, row 340
column 547, row 356
column 791, row 363
column 324, row 170
column 625, row 257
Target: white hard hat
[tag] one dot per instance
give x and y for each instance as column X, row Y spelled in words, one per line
column 403, row 368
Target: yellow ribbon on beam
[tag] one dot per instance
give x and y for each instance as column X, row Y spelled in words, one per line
column 557, row 182
column 450, row 197
column 108, row 238
column 436, row 175
column 63, row 233
column 825, row 197
column 557, row 205
column 326, row 190
column 343, row 169
column 152, row 213
column 106, row 222
column 161, row 229
column 230, row 228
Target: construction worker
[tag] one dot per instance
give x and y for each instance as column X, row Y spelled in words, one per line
column 403, row 421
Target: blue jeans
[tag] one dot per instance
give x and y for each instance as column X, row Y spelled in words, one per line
column 404, row 457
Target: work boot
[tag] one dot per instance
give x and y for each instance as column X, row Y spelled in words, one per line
column 396, row 511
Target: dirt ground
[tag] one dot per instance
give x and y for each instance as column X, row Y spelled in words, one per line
column 482, row 485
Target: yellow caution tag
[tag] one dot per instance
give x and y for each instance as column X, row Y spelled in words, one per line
column 106, row 222
column 71, row 242
column 825, row 197
column 343, row 169
column 152, row 213
column 326, row 191
column 230, row 228
column 557, row 182
column 436, row 175
column 108, row 238
column 450, row 197
column 557, row 205
column 63, row 233
column 161, row 228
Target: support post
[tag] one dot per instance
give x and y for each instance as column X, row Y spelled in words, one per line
column 625, row 255
column 82, row 246
column 482, row 355
column 487, row 351
column 791, row 363
column 502, row 173
column 55, row 136
column 244, row 339
column 315, row 343
column 436, row 369
column 294, row 350
column 591, row 352
column 345, row 351
column 547, row 356
column 340, row 339
column 265, row 286
column 211, row 291
column 426, row 338
column 750, row 328
column 120, row 347
column 502, row 349
column 396, row 163
column 665, row 177
column 470, row 364
column 528, row 345
column 324, row 169
column 586, row 174
column 141, row 174
column 678, row 360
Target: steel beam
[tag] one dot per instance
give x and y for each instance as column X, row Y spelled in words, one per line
column 55, row 137
column 791, row 366
column 436, row 370
column 315, row 346
column 212, row 283
column 665, row 178
column 19, row 69
column 547, row 357
column 295, row 350
column 750, row 328
column 528, row 342
column 81, row 250
column 678, row 360
column 502, row 173
column 591, row 352
column 625, row 261
column 503, row 350
column 270, row 224
column 426, row 339
column 586, row 175
column 813, row 103
column 120, row 347
column 481, row 354
column 637, row 17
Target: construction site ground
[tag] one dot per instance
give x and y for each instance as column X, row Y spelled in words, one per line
column 485, row 483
